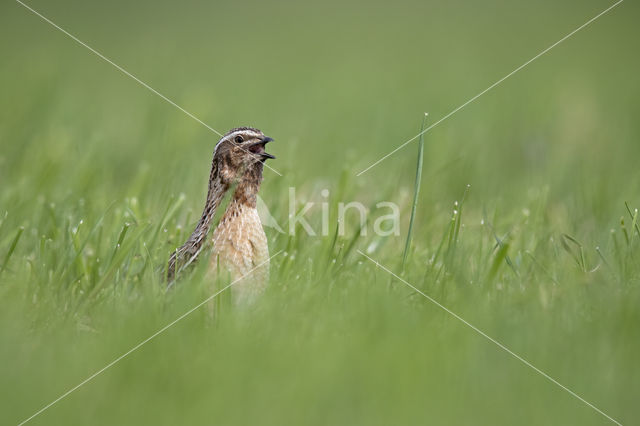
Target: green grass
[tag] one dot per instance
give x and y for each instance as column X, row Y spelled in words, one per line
column 526, row 222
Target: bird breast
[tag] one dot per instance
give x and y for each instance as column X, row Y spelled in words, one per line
column 240, row 247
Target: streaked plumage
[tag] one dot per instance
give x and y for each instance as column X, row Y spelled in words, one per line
column 239, row 243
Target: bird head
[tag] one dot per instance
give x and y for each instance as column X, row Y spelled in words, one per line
column 241, row 152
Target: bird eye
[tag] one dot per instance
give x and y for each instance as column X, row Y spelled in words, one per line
column 239, row 139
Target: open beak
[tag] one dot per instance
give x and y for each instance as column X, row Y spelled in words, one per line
column 258, row 148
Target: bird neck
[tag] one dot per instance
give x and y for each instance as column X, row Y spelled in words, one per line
column 245, row 194
column 247, row 187
column 215, row 194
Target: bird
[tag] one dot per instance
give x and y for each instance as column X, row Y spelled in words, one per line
column 239, row 244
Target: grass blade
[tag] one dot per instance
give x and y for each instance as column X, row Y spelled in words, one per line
column 12, row 248
column 634, row 218
column 416, row 191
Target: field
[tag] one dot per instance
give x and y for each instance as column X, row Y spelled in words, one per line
column 526, row 225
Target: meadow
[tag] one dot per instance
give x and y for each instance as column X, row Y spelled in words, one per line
column 526, row 223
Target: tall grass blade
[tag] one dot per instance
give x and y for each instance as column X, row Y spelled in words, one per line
column 416, row 191
column 634, row 218
column 12, row 248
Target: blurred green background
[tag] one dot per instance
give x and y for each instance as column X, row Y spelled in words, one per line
column 101, row 179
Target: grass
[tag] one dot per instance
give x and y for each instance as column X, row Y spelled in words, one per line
column 525, row 224
column 416, row 192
